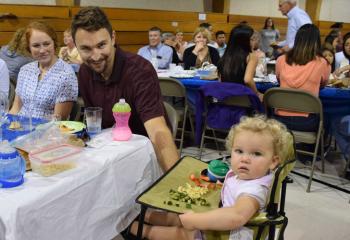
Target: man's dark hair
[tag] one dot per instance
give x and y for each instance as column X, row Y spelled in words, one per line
column 243, row 22
column 205, row 25
column 155, row 29
column 90, row 19
column 219, row 33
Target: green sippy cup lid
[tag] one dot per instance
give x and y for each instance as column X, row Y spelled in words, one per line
column 121, row 106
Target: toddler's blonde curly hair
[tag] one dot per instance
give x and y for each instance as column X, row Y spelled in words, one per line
column 282, row 139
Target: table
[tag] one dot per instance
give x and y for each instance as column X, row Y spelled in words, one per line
column 93, row 201
column 8, row 134
column 335, row 101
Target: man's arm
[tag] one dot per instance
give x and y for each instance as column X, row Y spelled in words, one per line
column 162, row 141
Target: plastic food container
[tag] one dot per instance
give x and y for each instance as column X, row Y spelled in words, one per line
column 55, row 159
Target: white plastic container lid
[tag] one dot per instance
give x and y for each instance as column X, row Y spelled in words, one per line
column 54, row 153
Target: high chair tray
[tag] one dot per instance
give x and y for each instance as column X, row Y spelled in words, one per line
column 158, row 196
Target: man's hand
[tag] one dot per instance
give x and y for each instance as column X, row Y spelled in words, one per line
column 162, row 141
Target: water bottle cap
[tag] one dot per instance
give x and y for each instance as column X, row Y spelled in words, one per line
column 122, row 101
column 6, row 151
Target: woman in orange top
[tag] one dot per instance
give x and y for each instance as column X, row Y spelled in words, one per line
column 304, row 68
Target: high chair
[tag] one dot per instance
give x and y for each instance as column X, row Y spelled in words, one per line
column 264, row 224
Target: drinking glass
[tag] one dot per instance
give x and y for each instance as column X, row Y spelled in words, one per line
column 93, row 118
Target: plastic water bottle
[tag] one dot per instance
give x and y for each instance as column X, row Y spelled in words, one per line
column 121, row 113
column 12, row 166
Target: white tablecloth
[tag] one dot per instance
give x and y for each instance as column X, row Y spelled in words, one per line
column 93, row 201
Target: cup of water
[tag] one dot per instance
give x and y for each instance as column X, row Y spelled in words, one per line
column 93, row 117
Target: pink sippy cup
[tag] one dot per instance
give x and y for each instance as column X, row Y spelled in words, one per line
column 121, row 112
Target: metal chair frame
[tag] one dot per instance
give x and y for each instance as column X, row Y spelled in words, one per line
column 304, row 102
column 234, row 101
column 171, row 87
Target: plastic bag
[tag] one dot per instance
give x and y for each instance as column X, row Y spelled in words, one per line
column 45, row 135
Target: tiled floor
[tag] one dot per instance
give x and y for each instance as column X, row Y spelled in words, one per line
column 322, row 214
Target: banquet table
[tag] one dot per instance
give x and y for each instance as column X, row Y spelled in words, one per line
column 95, row 200
column 335, row 101
column 9, row 135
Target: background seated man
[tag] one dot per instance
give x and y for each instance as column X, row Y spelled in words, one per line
column 169, row 40
column 221, row 41
column 156, row 49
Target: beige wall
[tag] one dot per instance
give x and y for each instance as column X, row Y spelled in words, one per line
column 331, row 10
column 335, row 10
column 175, row 5
column 31, row 2
column 258, row 7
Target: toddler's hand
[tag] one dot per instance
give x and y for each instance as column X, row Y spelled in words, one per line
column 186, row 220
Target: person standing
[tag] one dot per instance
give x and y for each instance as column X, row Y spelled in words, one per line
column 108, row 74
column 269, row 35
column 296, row 18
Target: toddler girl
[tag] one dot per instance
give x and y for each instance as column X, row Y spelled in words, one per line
column 257, row 146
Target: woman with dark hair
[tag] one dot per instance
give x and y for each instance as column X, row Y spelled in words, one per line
column 304, row 68
column 332, row 39
column 329, row 54
column 345, row 62
column 238, row 63
column 269, row 35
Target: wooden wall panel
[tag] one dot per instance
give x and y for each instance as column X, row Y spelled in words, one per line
column 28, row 11
column 156, row 15
column 132, row 25
column 13, row 24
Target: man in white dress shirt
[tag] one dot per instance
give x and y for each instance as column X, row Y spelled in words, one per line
column 296, row 18
column 159, row 54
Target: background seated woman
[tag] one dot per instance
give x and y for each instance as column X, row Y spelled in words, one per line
column 239, row 61
column 196, row 55
column 15, row 54
column 344, row 68
column 303, row 68
column 69, row 53
column 48, row 85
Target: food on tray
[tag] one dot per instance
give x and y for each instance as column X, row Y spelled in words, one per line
column 15, row 125
column 188, row 195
